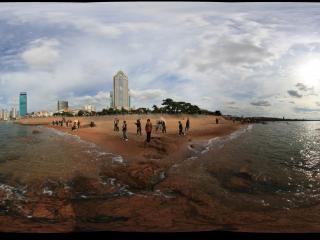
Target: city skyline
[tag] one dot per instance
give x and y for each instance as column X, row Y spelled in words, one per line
column 249, row 59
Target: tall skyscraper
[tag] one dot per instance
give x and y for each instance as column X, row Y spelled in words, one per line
column 120, row 97
column 23, row 104
column 63, row 106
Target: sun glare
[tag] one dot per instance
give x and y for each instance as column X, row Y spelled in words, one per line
column 309, row 72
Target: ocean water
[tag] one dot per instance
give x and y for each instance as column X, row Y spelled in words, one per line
column 273, row 166
column 32, row 153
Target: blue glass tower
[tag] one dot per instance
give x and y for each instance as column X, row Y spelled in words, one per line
column 23, row 104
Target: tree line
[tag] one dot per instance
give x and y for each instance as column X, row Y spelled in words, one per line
column 168, row 106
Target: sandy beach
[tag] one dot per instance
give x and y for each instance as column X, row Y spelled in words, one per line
column 162, row 145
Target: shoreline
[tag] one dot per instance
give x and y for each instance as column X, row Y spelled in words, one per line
column 161, row 145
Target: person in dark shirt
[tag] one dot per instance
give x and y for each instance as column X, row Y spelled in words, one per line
column 138, row 123
column 180, row 128
column 187, row 125
column 124, row 130
column 164, row 128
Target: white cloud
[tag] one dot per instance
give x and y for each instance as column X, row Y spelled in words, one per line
column 210, row 54
column 41, row 53
column 147, row 94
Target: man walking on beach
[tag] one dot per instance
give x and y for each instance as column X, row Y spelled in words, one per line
column 148, row 130
column 124, row 131
column 115, row 125
column 164, row 129
column 180, row 128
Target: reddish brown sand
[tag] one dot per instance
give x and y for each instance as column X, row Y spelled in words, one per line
column 182, row 201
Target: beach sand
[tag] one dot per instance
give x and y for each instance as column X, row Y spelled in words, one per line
column 162, row 145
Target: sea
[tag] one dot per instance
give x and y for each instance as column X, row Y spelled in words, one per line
column 36, row 153
column 274, row 165
column 263, row 166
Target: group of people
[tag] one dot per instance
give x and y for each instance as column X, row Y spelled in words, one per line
column 186, row 129
column 148, row 128
column 161, row 125
column 75, row 125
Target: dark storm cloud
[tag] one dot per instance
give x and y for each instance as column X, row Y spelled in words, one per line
column 261, row 103
column 294, row 93
column 302, row 87
column 306, row 109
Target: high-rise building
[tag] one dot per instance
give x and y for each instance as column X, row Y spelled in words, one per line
column 23, row 104
column 120, row 96
column 63, row 106
column 5, row 115
column 13, row 113
column 90, row 108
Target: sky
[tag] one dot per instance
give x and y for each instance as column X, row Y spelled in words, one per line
column 250, row 59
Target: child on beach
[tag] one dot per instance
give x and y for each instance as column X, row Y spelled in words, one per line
column 124, row 131
column 148, row 130
column 138, row 123
column 158, row 126
column 217, row 121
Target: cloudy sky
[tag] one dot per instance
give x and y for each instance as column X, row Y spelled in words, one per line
column 240, row 58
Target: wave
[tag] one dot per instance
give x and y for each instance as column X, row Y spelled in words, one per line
column 92, row 148
column 217, row 142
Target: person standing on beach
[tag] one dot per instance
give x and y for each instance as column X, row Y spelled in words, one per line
column 148, row 130
column 138, row 123
column 78, row 124
column 124, row 131
column 187, row 125
column 116, row 125
column 180, row 128
column 164, row 129
column 217, row 121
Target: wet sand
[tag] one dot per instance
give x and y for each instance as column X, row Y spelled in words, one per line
column 158, row 187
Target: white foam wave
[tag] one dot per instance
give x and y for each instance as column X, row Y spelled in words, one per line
column 218, row 142
column 117, row 159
